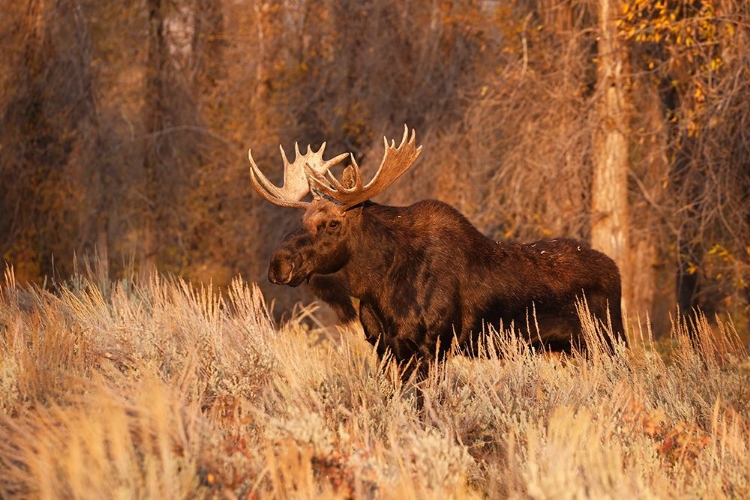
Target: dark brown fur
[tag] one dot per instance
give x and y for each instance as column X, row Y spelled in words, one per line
column 423, row 274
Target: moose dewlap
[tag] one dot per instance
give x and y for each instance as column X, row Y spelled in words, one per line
column 424, row 274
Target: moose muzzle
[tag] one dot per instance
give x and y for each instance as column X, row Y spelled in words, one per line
column 286, row 269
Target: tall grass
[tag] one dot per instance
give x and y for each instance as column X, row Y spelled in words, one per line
column 166, row 390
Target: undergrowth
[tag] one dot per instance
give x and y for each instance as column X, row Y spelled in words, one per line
column 166, row 390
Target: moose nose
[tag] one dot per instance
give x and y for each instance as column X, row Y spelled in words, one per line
column 280, row 272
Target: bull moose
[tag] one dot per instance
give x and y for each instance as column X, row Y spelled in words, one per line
column 423, row 274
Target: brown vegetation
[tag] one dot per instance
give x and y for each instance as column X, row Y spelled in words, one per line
column 165, row 390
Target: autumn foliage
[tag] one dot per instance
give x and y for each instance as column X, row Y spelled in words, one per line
column 125, row 127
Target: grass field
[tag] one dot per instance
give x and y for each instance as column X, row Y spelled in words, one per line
column 165, row 390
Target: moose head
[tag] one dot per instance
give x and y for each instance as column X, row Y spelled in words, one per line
column 323, row 243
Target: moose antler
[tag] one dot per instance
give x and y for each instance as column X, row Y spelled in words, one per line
column 351, row 192
column 296, row 184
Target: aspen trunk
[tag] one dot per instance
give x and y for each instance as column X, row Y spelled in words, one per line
column 610, row 222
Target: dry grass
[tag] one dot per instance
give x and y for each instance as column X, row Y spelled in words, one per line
column 164, row 390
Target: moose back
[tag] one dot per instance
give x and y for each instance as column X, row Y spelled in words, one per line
column 423, row 274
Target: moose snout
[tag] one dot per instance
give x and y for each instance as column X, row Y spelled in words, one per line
column 285, row 270
column 280, row 273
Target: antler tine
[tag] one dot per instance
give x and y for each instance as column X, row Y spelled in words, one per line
column 396, row 161
column 267, row 190
column 296, row 184
column 352, row 180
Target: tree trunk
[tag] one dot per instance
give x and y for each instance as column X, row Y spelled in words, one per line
column 154, row 120
column 651, row 283
column 610, row 224
column 208, row 46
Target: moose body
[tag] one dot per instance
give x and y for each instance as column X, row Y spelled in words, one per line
column 423, row 274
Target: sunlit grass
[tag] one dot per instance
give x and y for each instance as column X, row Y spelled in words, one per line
column 166, row 390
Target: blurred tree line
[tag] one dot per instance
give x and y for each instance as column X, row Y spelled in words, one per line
column 125, row 128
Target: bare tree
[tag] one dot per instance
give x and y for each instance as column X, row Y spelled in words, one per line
column 154, row 119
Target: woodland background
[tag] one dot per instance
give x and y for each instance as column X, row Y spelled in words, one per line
column 124, row 129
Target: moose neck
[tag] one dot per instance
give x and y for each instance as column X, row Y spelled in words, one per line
column 377, row 246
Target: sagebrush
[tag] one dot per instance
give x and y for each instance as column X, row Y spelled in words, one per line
column 164, row 389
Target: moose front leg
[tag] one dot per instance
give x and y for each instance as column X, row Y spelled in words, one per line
column 334, row 291
column 402, row 343
column 406, row 353
column 372, row 325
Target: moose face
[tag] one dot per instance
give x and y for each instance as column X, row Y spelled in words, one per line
column 319, row 246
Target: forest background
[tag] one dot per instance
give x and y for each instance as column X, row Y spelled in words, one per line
column 124, row 130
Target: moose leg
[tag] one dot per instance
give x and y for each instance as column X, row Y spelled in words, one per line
column 604, row 311
column 373, row 327
column 404, row 352
column 402, row 342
